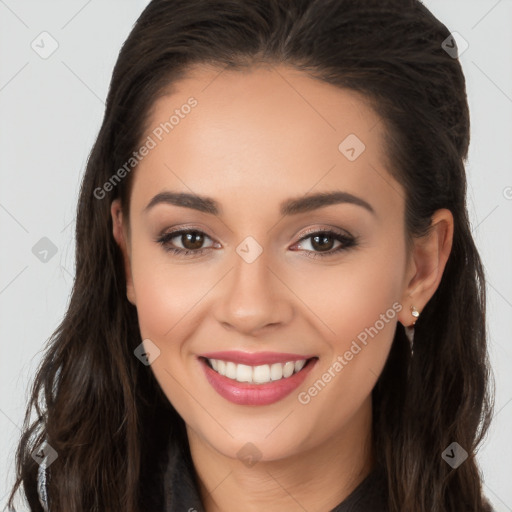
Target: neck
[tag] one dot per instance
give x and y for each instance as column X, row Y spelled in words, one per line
column 317, row 479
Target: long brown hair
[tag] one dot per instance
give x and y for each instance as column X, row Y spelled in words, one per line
column 103, row 412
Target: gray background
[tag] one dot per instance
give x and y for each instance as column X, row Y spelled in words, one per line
column 51, row 110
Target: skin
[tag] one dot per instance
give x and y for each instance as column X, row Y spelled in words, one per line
column 255, row 139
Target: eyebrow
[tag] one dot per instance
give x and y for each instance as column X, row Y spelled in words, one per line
column 292, row 206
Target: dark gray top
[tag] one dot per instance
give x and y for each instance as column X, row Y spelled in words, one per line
column 182, row 492
column 173, row 488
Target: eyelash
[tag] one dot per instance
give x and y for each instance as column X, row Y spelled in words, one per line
column 347, row 242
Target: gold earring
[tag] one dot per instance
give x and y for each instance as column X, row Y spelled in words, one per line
column 409, row 330
column 415, row 313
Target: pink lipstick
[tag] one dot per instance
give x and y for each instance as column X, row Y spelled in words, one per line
column 260, row 378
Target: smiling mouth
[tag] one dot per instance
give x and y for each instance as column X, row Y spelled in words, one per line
column 260, row 374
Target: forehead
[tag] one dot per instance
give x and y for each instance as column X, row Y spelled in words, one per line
column 265, row 131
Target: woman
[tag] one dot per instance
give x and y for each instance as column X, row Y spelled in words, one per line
column 278, row 302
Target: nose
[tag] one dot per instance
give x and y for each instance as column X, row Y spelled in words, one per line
column 253, row 297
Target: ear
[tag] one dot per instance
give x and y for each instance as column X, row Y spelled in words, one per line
column 427, row 263
column 120, row 232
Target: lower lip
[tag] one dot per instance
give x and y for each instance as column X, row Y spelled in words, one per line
column 243, row 393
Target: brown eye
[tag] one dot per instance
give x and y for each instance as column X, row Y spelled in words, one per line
column 191, row 240
column 322, row 243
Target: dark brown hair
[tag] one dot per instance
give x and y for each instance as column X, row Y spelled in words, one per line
column 103, row 411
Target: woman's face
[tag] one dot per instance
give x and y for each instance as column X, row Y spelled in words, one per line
column 268, row 281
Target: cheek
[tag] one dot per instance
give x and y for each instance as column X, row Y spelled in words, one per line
column 352, row 296
column 361, row 309
column 165, row 293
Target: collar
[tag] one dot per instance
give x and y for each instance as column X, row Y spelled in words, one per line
column 181, row 490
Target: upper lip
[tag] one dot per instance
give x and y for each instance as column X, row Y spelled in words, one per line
column 255, row 358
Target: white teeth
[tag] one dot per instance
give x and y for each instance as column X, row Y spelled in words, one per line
column 299, row 365
column 261, row 374
column 276, row 371
column 288, row 369
column 230, row 370
column 243, row 373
